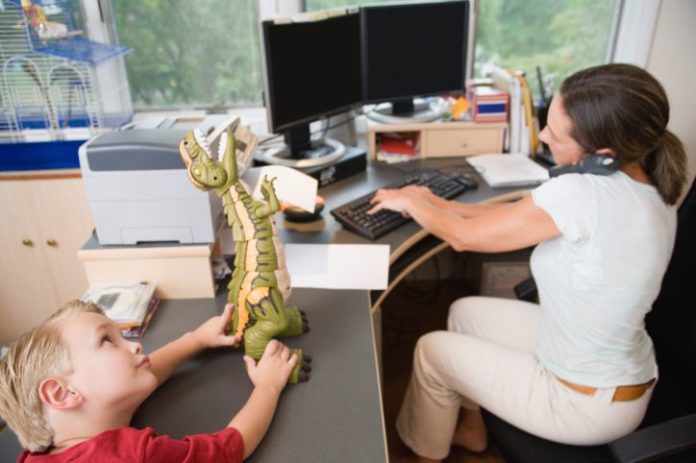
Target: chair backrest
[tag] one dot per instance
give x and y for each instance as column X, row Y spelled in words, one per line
column 672, row 324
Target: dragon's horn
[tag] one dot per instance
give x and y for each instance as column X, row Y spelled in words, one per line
column 227, row 151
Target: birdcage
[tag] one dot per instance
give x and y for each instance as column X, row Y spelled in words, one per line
column 53, row 83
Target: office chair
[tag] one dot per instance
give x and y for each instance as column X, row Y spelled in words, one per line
column 668, row 431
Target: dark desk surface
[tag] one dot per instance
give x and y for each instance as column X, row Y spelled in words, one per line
column 345, row 190
column 334, row 417
column 374, row 177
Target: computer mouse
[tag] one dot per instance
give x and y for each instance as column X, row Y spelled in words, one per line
column 297, row 214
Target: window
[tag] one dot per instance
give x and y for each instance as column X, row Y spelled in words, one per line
column 206, row 53
column 559, row 36
column 189, row 54
column 312, row 5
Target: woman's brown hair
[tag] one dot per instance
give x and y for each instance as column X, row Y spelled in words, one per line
column 624, row 108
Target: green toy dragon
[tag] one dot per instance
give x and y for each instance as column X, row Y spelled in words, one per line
column 260, row 282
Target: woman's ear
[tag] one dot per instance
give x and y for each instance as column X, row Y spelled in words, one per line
column 606, row 152
column 56, row 394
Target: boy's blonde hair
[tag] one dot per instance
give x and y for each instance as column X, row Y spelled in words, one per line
column 33, row 357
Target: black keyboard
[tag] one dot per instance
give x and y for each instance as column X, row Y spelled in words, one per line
column 353, row 215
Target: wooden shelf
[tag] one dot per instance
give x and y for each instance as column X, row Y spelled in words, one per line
column 443, row 139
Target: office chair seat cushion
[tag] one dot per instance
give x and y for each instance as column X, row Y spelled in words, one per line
column 10, row 449
column 517, row 446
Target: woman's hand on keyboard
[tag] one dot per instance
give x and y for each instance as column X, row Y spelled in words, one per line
column 393, row 200
column 425, row 193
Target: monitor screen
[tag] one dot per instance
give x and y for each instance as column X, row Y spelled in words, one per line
column 312, row 69
column 414, row 50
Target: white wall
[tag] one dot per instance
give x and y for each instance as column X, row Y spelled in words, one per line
column 672, row 60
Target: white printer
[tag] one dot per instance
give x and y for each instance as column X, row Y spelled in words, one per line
column 138, row 188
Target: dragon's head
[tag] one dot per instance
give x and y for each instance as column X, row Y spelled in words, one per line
column 204, row 172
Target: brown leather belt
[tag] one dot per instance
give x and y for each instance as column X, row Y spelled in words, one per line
column 622, row 393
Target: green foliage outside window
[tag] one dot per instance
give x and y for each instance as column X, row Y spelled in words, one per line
column 206, row 53
column 559, row 36
column 188, row 54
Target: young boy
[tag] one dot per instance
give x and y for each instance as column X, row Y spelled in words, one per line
column 69, row 388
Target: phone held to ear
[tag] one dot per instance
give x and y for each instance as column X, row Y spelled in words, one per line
column 598, row 164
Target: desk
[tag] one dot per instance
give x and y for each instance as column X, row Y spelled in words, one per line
column 334, row 417
column 409, row 244
column 401, row 239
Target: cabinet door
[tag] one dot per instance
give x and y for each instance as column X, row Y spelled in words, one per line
column 27, row 293
column 43, row 223
column 64, row 225
column 463, row 142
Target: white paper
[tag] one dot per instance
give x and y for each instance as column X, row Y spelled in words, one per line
column 508, row 169
column 291, row 185
column 338, row 266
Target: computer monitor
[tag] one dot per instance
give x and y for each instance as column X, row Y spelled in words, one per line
column 413, row 50
column 312, row 69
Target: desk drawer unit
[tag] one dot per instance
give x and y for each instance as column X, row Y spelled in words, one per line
column 178, row 271
column 463, row 141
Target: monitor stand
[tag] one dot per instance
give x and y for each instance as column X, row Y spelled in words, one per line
column 321, row 153
column 302, row 152
column 403, row 112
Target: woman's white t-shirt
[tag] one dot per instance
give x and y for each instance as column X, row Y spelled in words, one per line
column 599, row 279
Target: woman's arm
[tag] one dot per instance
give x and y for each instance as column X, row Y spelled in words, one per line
column 508, row 227
column 166, row 359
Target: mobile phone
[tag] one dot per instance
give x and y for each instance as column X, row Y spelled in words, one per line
column 597, row 164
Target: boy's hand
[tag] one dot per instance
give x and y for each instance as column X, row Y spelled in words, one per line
column 273, row 368
column 212, row 332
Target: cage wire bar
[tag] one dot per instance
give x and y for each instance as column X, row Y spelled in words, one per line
column 48, row 88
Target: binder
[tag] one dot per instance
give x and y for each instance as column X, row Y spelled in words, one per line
column 523, row 136
column 507, row 81
column 532, row 143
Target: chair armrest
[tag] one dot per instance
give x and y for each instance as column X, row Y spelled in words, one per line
column 660, row 440
column 527, row 290
column 9, row 446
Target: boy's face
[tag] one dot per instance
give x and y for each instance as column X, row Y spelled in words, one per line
column 107, row 370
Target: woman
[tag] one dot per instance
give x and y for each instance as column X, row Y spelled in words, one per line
column 579, row 367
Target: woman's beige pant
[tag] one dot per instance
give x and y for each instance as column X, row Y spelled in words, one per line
column 486, row 358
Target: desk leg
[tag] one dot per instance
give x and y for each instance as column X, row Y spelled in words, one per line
column 376, row 313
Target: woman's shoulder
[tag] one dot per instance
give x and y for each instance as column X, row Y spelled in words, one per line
column 589, row 184
column 567, row 185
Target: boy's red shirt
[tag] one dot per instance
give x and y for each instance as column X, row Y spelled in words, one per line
column 130, row 444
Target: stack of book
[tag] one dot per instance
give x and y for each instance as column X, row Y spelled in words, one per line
column 505, row 170
column 488, row 104
column 130, row 306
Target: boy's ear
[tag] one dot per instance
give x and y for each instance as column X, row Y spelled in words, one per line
column 55, row 393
